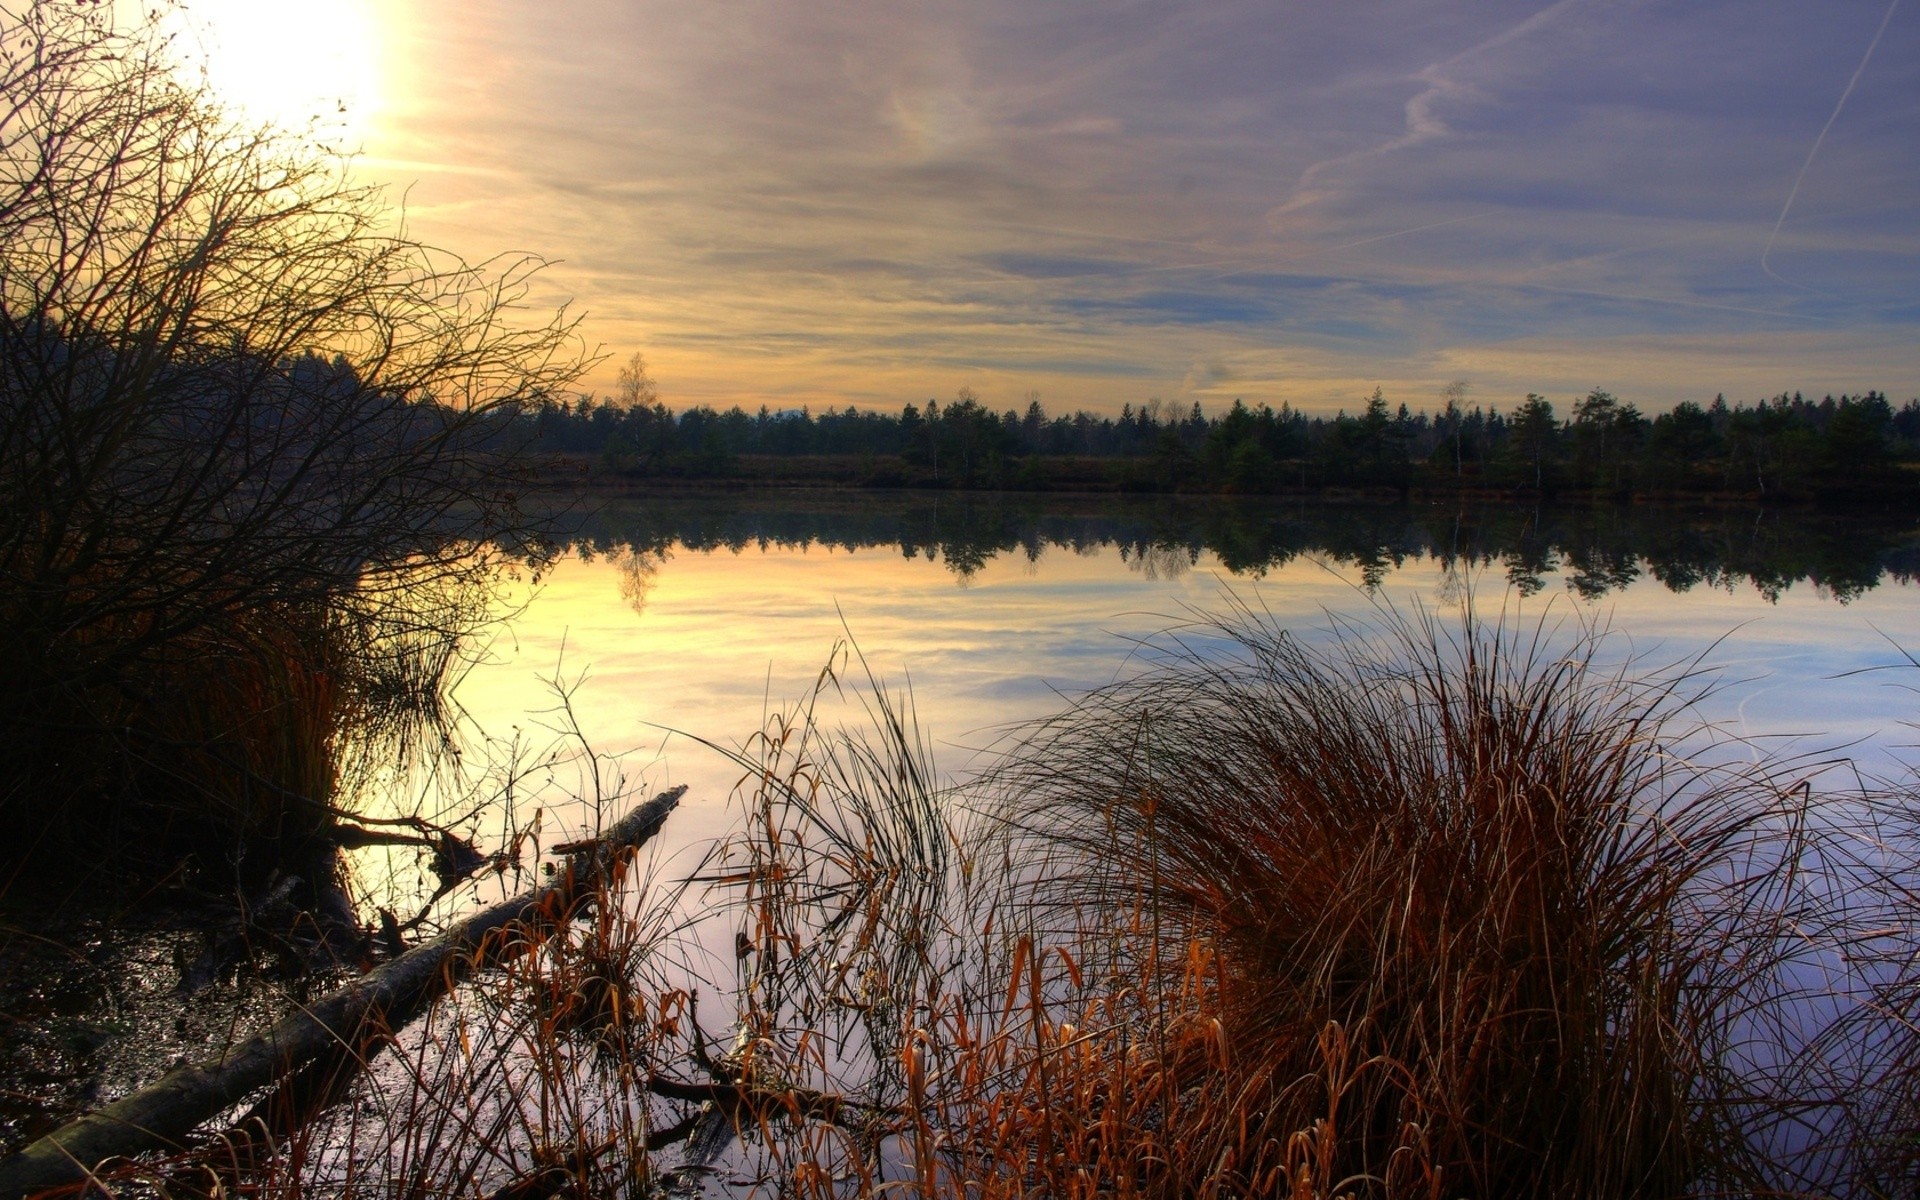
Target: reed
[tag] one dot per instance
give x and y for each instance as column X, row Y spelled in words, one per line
column 541, row 1075
column 1427, row 910
column 1469, row 924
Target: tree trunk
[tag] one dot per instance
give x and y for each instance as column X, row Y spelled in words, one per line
column 353, row 1018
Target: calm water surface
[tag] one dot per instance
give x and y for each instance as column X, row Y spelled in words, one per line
column 699, row 615
column 678, row 620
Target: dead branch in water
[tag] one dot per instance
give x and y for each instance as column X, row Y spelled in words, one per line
column 350, row 1021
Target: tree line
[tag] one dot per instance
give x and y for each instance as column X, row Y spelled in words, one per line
column 1788, row 446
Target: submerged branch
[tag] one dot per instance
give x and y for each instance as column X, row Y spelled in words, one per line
column 353, row 1020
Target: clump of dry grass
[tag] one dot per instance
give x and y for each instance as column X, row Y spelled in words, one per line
column 1470, row 925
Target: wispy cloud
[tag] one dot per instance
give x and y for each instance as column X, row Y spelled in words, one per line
column 842, row 202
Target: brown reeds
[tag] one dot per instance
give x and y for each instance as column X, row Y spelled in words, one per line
column 1419, row 910
column 1470, row 924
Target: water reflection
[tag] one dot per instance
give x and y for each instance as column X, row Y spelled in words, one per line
column 702, row 612
column 705, row 614
column 639, row 570
column 1594, row 552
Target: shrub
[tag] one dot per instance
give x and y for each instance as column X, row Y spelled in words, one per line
column 240, row 419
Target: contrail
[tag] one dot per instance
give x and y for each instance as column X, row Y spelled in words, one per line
column 1808, row 165
column 1420, row 124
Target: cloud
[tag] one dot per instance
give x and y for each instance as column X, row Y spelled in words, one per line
column 839, row 202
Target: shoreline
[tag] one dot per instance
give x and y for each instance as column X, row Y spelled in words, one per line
column 838, row 475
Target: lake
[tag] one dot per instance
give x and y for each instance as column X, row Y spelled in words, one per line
column 676, row 624
column 684, row 617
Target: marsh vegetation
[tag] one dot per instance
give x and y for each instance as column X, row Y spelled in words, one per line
column 1447, row 908
column 1430, row 907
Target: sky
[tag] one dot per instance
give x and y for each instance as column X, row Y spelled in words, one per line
column 848, row 202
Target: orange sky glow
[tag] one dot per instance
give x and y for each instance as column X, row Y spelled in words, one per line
column 832, row 204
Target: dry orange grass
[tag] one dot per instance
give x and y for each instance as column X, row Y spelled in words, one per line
column 1430, row 912
column 1470, row 927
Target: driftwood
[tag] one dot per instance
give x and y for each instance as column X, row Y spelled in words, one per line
column 356, row 1017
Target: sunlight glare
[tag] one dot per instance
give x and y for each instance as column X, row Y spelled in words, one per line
column 295, row 66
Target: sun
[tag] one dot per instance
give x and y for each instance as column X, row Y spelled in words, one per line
column 313, row 64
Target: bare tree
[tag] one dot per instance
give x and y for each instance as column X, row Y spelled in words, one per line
column 633, row 387
column 241, row 417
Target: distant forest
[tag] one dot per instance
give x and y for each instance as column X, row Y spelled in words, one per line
column 1788, row 447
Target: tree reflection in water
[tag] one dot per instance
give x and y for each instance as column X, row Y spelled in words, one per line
column 1596, row 551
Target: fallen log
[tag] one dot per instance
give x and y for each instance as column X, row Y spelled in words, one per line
column 354, row 1018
